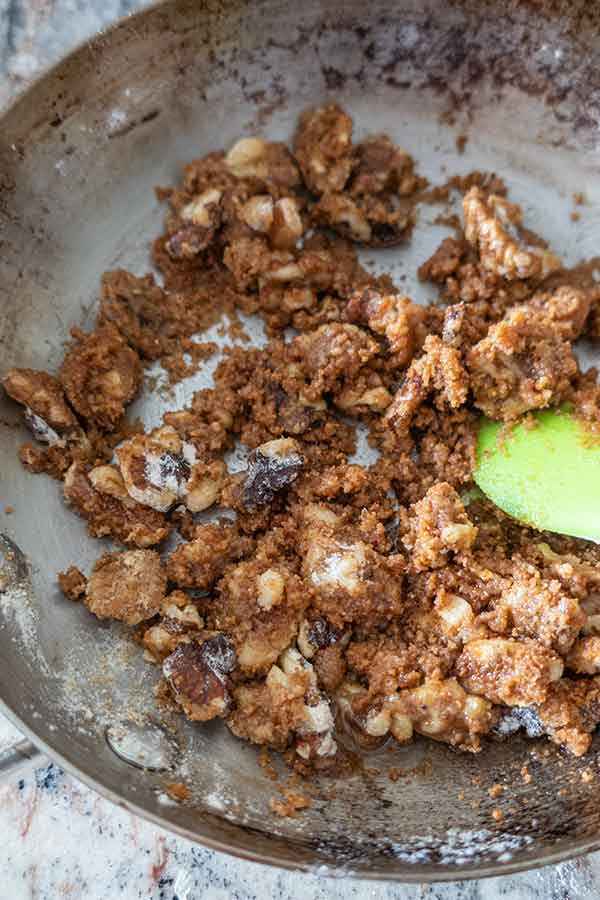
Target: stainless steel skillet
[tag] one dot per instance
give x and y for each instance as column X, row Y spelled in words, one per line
column 80, row 153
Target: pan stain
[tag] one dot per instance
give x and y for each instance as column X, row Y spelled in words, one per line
column 130, row 126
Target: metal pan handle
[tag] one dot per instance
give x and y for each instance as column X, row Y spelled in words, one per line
column 20, row 756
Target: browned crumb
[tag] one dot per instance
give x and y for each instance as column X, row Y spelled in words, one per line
column 495, row 791
column 9, row 510
column 72, row 583
column 178, row 791
column 291, row 805
column 497, row 815
column 461, row 142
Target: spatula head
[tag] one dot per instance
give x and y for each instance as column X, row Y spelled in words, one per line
column 545, row 472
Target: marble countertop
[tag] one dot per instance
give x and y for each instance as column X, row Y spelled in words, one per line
column 61, row 840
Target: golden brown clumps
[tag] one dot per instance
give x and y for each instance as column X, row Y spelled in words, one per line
column 438, row 526
column 101, row 374
column 308, row 583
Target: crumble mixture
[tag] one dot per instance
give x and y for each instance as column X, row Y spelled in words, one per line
column 334, row 600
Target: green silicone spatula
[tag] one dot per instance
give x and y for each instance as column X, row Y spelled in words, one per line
column 547, row 476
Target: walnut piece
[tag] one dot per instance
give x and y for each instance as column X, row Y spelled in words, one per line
column 491, row 225
column 516, row 673
column 46, row 412
column 161, row 469
column 438, row 526
column 440, row 371
column 522, row 364
column 201, row 562
column 107, row 508
column 272, row 467
column 323, row 147
column 197, row 673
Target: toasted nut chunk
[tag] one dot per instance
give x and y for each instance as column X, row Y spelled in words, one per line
column 584, row 656
column 571, row 712
column 257, row 213
column 108, row 513
column 286, row 708
column 46, row 411
column 204, row 485
column 261, row 605
column 108, row 480
column 247, row 157
column 159, row 469
column 180, row 622
column 286, row 228
column 536, row 607
column 270, row 711
column 392, row 315
column 511, row 672
column 272, row 467
column 382, row 167
column 156, row 468
column 521, row 364
column 345, row 215
column 254, row 158
column 438, row 370
column 491, row 225
column 201, row 210
column 352, row 582
column 197, row 673
column 323, row 146
column 128, row 586
column 101, row 374
column 202, row 561
column 438, row 526
column 442, row 710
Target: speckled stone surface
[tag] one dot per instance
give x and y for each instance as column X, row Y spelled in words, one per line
column 60, row 840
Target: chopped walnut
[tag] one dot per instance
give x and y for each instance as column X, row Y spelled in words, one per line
column 438, row 526
column 330, row 354
column 254, row 158
column 201, row 562
column 128, row 586
column 516, row 673
column 179, row 620
column 323, row 147
column 46, row 412
column 392, row 315
column 539, row 608
column 160, row 469
column 522, row 364
column 584, row 656
column 571, row 712
column 272, row 467
column 108, row 511
column 438, row 370
column 101, row 374
column 492, row 225
column 567, row 309
column 260, row 606
column 198, row 675
column 353, row 583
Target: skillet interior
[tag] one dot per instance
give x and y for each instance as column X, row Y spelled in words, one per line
column 79, row 156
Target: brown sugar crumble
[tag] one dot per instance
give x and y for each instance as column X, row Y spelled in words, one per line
column 382, row 601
